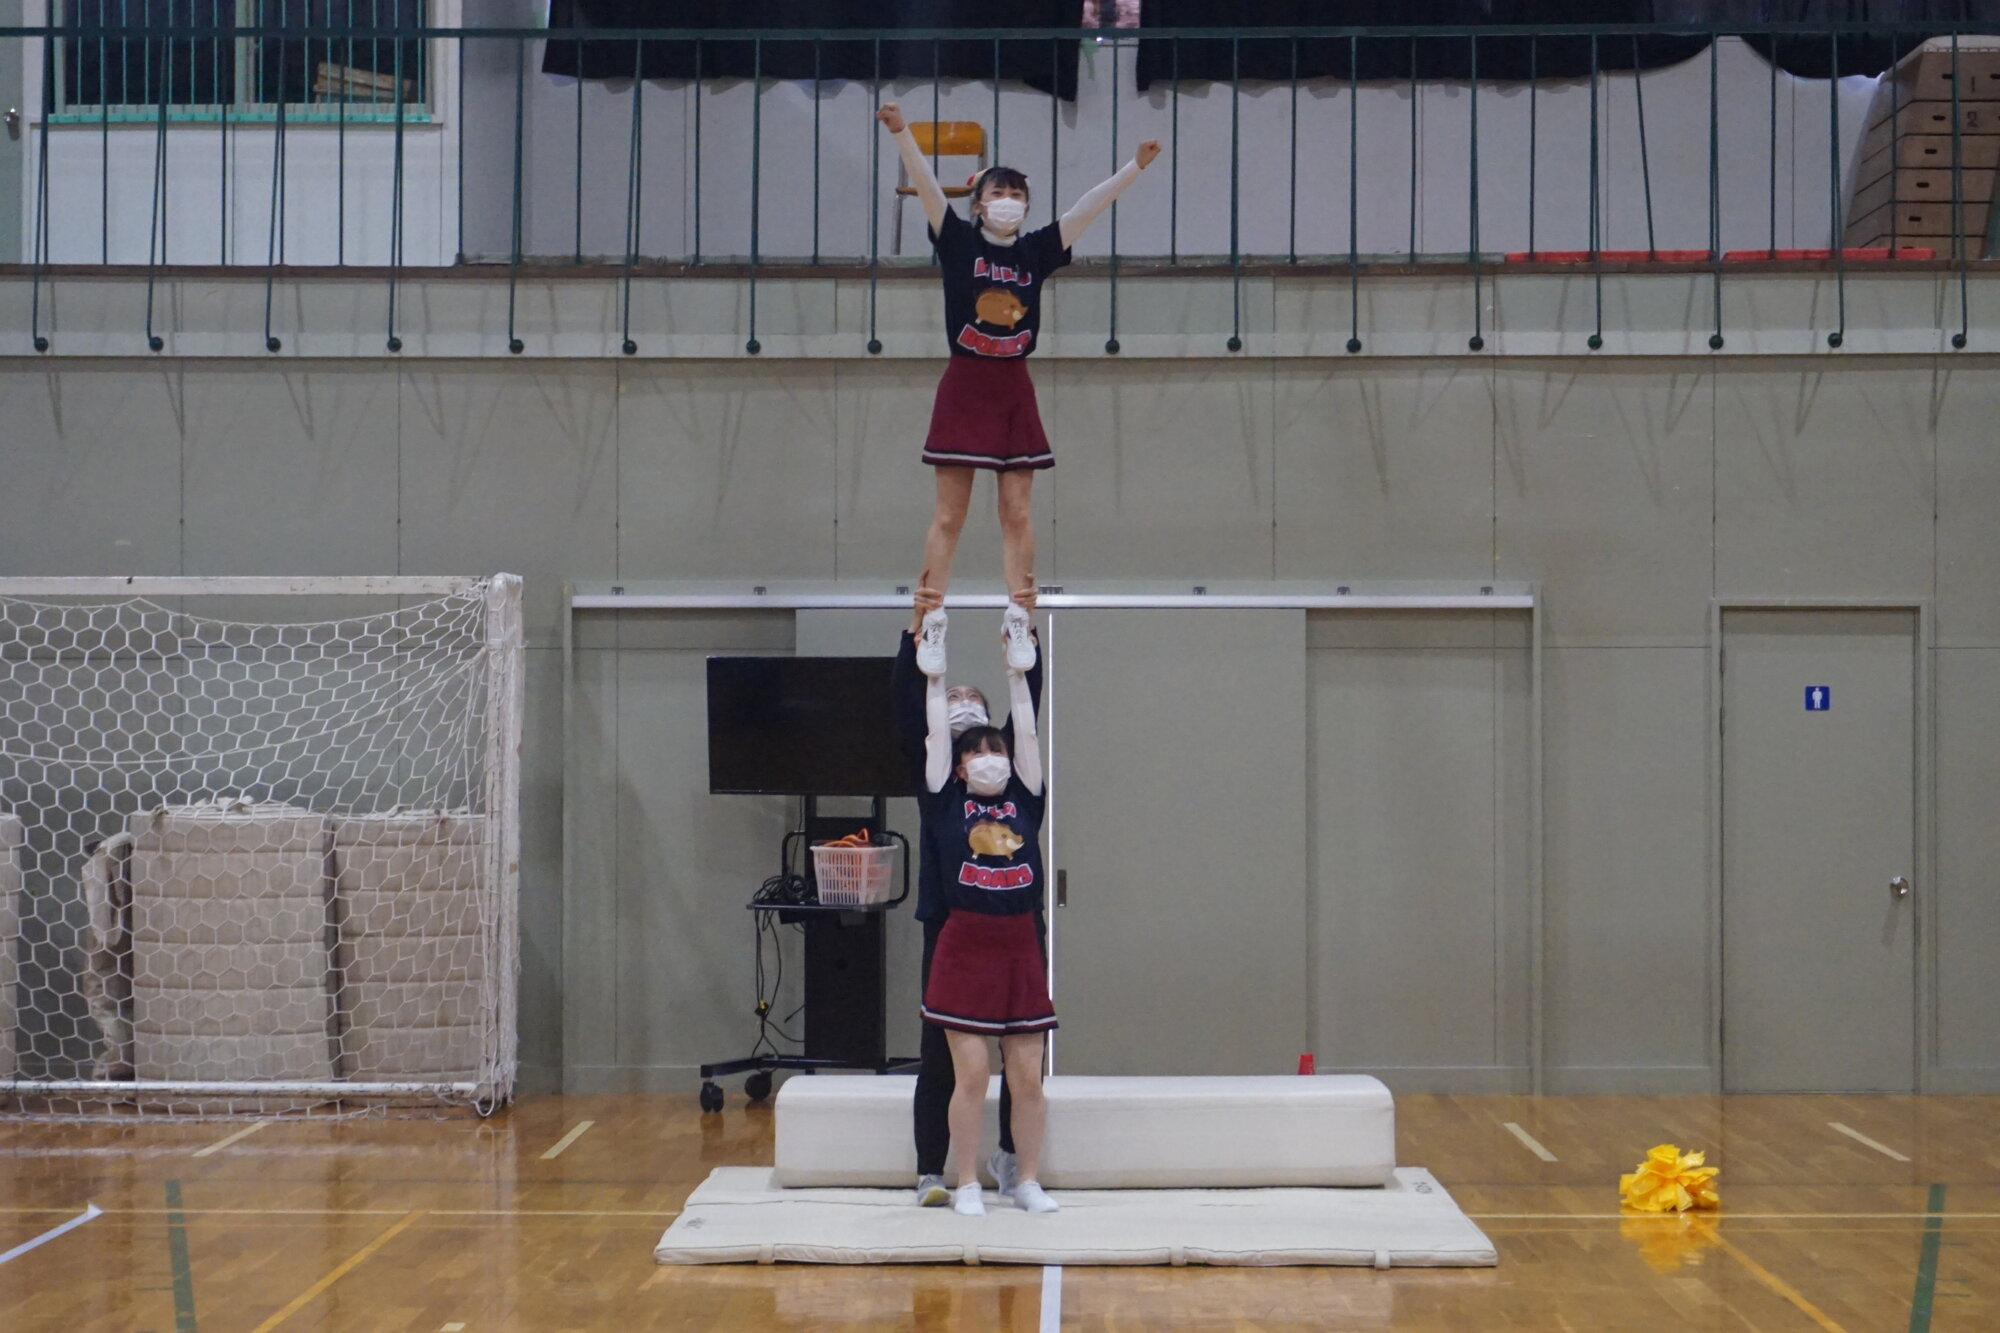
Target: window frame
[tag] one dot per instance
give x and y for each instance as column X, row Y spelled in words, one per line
column 421, row 111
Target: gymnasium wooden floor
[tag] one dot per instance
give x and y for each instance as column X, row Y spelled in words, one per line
column 521, row 1222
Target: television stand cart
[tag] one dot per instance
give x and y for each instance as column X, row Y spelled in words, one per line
column 846, row 969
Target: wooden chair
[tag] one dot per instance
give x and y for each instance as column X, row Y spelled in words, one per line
column 942, row 138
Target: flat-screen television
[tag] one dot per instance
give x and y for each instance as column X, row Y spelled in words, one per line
column 804, row 726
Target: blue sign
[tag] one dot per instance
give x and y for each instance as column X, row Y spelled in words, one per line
column 1819, row 699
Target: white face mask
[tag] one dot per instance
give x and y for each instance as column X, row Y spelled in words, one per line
column 987, row 774
column 966, row 713
column 1005, row 214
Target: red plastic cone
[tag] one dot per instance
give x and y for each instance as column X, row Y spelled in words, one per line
column 1306, row 1064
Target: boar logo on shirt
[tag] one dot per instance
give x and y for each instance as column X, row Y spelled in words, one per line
column 999, row 307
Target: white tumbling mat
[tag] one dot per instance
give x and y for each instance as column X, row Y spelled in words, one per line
column 738, row 1215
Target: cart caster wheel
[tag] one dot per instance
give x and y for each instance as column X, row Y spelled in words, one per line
column 711, row 1098
column 758, row 1086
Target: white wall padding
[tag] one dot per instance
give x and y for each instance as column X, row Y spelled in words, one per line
column 230, row 943
column 411, row 947
column 11, row 837
column 1114, row 1133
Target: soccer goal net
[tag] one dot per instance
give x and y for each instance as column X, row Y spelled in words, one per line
column 258, row 844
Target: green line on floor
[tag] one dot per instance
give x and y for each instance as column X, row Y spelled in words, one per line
column 177, row 1248
column 1927, row 1263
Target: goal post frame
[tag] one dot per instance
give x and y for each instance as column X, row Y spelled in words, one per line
column 500, row 713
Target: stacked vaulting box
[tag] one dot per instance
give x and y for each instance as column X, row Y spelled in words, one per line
column 410, row 953
column 231, row 944
column 11, row 838
column 1902, row 190
column 234, row 942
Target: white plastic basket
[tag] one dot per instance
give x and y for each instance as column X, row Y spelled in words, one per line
column 854, row 876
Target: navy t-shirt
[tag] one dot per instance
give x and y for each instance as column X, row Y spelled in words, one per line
column 993, row 293
column 989, row 848
column 906, row 687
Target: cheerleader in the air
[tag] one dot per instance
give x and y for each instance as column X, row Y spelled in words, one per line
column 985, row 415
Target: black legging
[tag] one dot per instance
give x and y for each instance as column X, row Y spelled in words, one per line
column 936, row 1078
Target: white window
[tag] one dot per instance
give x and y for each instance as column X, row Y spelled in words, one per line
column 320, row 60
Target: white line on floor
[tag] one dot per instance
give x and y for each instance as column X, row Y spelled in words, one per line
column 1528, row 1141
column 90, row 1211
column 220, row 1144
column 1859, row 1137
column 567, row 1139
column 451, row 1328
column 1051, row 1299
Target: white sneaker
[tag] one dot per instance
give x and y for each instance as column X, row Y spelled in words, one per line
column 1030, row 1197
column 1014, row 625
column 965, row 1201
column 931, row 1192
column 930, row 645
column 1006, row 1170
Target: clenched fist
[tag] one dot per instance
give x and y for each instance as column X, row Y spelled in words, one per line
column 891, row 117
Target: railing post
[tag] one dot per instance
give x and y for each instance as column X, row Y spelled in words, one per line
column 753, row 347
column 273, row 239
column 695, row 261
column 1413, row 150
column 103, row 140
column 1596, row 339
column 514, row 343
column 1715, row 185
column 38, row 339
column 1645, row 156
column 1959, row 339
column 635, row 170
column 1235, row 343
column 156, row 224
column 221, row 136
column 1111, row 341
column 1292, row 207
column 394, row 343
column 815, row 99
column 576, row 203
column 1771, row 250
column 1353, row 194
column 1534, row 136
column 874, row 202
column 1839, row 334
column 1174, row 162
column 1477, row 342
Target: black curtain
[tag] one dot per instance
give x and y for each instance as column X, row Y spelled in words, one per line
column 1044, row 65
column 1515, row 58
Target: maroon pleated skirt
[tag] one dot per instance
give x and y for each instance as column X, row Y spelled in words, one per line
column 987, row 976
column 985, row 416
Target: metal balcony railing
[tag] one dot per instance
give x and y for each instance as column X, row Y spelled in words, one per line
column 340, row 112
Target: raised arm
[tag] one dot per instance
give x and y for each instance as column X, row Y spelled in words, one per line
column 915, row 164
column 1100, row 196
column 937, row 736
column 1027, row 751
column 906, row 687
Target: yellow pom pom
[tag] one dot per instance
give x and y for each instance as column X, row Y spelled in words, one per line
column 1669, row 1181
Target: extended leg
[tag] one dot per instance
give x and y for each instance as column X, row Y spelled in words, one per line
column 971, row 1067
column 935, row 1080
column 1022, row 1058
column 954, row 495
column 1017, row 529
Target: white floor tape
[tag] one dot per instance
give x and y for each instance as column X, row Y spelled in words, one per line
column 90, row 1211
column 1051, row 1299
